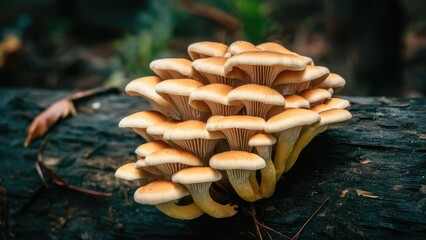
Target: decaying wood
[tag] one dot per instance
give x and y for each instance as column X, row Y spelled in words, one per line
column 88, row 148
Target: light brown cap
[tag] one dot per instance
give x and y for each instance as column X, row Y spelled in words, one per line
column 172, row 155
column 296, row 101
column 310, row 73
column 315, row 95
column 195, row 175
column 256, row 93
column 129, row 172
column 160, row 191
column 206, row 49
column 334, row 81
column 262, row 139
column 142, row 119
column 145, row 87
column 215, row 66
column 174, row 68
column 161, row 127
column 332, row 103
column 237, row 160
column 275, row 47
column 180, row 87
column 241, row 46
column 334, row 116
column 238, row 121
column 291, row 118
column 215, row 92
column 147, row 148
column 191, row 129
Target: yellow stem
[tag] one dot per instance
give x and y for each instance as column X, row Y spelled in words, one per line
column 186, row 212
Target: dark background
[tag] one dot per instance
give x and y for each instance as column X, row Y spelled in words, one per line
column 379, row 46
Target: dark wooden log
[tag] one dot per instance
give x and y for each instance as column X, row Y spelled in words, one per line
column 87, row 149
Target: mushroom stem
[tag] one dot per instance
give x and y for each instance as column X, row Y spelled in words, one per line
column 253, row 182
column 286, row 141
column 267, row 185
column 185, row 212
column 301, row 143
column 242, row 183
column 200, row 195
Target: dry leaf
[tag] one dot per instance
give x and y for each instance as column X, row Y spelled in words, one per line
column 422, row 137
column 45, row 120
column 366, row 161
column 344, row 192
column 365, row 194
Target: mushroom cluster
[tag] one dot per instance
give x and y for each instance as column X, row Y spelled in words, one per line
column 228, row 123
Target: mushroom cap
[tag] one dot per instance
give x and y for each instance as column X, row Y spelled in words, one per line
column 203, row 49
column 334, row 81
column 256, row 93
column 215, row 66
column 195, row 175
column 217, row 123
column 142, row 119
column 180, row 87
column 262, row 139
column 145, row 87
column 215, row 92
column 331, row 103
column 315, row 95
column 275, row 47
column 161, row 127
column 308, row 74
column 237, row 160
column 191, row 129
column 172, row 155
column 334, row 116
column 170, row 68
column 129, row 172
column 241, row 46
column 265, row 58
column 147, row 148
column 291, row 118
column 296, row 101
column 160, row 191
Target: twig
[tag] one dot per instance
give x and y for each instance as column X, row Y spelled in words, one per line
column 310, row 218
column 40, row 173
column 88, row 93
column 57, row 179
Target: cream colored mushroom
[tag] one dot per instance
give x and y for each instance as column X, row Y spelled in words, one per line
column 275, row 47
column 175, row 68
column 129, row 172
column 144, row 150
column 179, row 90
column 198, row 181
column 206, row 49
column 291, row 101
column 263, row 67
column 334, row 81
column 288, row 125
column 194, row 137
column 257, row 99
column 163, row 194
column 140, row 121
column 263, row 143
column 327, row 117
column 239, row 165
column 315, row 96
column 332, row 103
column 240, row 47
column 215, row 96
column 157, row 130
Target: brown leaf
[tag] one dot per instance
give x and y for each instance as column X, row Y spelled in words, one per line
column 422, row 137
column 344, row 192
column 366, row 161
column 365, row 194
column 45, row 120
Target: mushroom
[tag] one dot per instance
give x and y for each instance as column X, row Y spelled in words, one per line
column 239, row 47
column 215, row 96
column 293, row 82
column 175, row 68
column 206, row 49
column 157, row 130
column 257, row 99
column 198, row 181
column 288, row 125
column 171, row 160
column 334, row 81
column 193, row 136
column 262, row 67
column 163, row 194
column 331, row 103
column 315, row 96
column 237, row 129
column 327, row 117
column 212, row 69
column 129, row 172
column 291, row 101
column 263, row 143
column 179, row 91
column 145, row 87
column 140, row 121
column 144, row 150
column 275, row 47
column 239, row 165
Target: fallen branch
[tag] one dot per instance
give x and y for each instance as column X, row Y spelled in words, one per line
column 56, row 179
column 310, row 218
